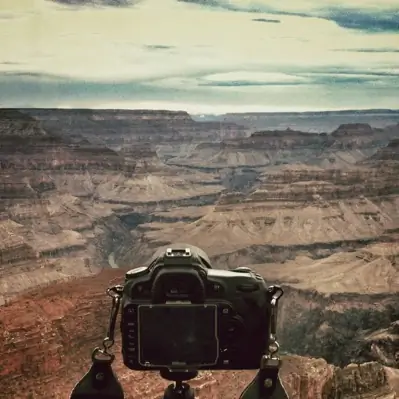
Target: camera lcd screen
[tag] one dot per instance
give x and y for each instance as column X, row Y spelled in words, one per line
column 176, row 335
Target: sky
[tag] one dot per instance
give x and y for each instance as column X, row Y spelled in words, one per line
column 203, row 56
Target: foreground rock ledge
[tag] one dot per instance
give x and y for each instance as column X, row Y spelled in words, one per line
column 302, row 377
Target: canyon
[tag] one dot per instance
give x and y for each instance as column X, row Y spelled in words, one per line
column 87, row 194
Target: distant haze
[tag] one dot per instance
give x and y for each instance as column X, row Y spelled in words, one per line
column 306, row 122
column 203, row 56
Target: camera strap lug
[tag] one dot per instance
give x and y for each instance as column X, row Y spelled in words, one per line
column 266, row 383
column 116, row 294
column 100, row 381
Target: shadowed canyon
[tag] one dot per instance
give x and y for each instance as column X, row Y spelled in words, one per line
column 87, row 194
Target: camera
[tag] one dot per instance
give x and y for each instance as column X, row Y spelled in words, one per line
column 178, row 313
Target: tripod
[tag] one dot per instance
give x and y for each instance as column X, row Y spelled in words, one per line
column 180, row 389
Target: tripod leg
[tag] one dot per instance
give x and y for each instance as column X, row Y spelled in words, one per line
column 169, row 392
column 184, row 391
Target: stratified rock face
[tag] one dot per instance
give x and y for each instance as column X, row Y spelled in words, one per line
column 47, row 233
column 353, row 129
column 388, row 153
column 26, row 145
column 138, row 125
column 349, row 144
column 318, row 185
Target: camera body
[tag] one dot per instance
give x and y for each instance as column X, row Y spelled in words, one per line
column 179, row 313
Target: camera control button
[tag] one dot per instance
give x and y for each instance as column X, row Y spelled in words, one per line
column 248, row 287
column 216, row 287
column 225, row 310
column 131, row 310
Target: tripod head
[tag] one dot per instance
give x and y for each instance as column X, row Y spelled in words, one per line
column 178, row 390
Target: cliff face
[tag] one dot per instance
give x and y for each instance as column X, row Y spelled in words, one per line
column 116, row 127
column 27, row 147
column 388, row 153
column 342, row 148
column 51, row 333
column 47, row 232
column 308, row 184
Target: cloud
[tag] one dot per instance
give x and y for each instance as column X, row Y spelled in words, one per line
column 103, row 3
column 367, row 21
column 247, row 83
column 51, row 89
column 323, row 90
column 7, row 15
column 230, row 5
column 377, row 20
column 370, row 50
column 99, row 56
column 326, row 77
column 159, row 47
column 11, row 63
column 270, row 21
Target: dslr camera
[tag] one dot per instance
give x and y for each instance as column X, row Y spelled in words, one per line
column 178, row 313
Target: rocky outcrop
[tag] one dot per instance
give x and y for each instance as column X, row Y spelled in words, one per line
column 357, row 381
column 358, row 136
column 385, row 344
column 353, row 129
column 388, row 153
column 142, row 157
column 308, row 378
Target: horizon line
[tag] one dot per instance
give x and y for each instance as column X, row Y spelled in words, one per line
column 344, row 110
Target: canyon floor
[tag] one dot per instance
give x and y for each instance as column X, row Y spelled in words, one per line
column 87, row 194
